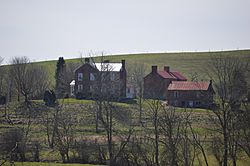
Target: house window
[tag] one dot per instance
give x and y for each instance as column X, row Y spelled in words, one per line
column 191, row 104
column 112, row 76
column 91, row 89
column 80, row 76
column 197, row 103
column 72, row 89
column 92, row 77
column 128, row 90
column 176, row 94
column 80, row 87
column 198, row 94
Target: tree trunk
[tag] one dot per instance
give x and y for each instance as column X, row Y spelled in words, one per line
column 63, row 157
column 225, row 156
column 97, row 117
column 156, row 139
column 204, row 155
column 140, row 110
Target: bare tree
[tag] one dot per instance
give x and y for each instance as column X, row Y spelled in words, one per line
column 41, row 81
column 244, row 141
column 199, row 142
column 28, row 78
column 154, row 110
column 228, row 75
column 65, row 133
column 170, row 124
column 138, row 73
column 2, row 75
column 107, row 111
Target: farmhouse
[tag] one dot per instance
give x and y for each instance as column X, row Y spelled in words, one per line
column 92, row 79
column 173, row 87
column 156, row 82
column 190, row 94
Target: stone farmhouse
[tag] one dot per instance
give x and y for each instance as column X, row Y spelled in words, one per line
column 173, row 87
column 107, row 78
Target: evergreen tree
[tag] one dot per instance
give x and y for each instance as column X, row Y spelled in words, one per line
column 59, row 76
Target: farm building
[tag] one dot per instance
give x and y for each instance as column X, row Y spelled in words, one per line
column 156, row 82
column 92, row 79
column 190, row 94
column 173, row 87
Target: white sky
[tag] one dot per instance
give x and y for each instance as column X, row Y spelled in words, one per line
column 48, row 29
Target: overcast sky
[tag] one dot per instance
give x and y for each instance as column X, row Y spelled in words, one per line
column 47, row 29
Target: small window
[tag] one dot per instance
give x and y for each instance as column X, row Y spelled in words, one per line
column 176, row 94
column 80, row 76
column 92, row 77
column 80, row 87
column 128, row 90
column 191, row 104
column 197, row 103
column 198, row 94
column 91, row 89
column 112, row 76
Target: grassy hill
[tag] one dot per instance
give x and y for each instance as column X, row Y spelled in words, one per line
column 185, row 62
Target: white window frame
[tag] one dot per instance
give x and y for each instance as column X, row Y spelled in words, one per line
column 176, row 94
column 92, row 77
column 112, row 76
column 91, row 89
column 80, row 87
column 198, row 94
column 80, row 76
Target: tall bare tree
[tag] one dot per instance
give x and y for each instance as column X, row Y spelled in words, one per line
column 28, row 78
column 228, row 75
column 107, row 112
column 138, row 73
column 154, row 112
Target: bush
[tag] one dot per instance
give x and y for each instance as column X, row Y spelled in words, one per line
column 49, row 98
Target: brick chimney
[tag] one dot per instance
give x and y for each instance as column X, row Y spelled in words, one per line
column 86, row 60
column 123, row 64
column 166, row 68
column 154, row 69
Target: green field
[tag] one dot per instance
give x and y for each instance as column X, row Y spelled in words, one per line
column 187, row 62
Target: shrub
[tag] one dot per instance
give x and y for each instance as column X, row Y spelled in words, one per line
column 49, row 98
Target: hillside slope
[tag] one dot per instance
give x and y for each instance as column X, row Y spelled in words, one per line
column 186, row 62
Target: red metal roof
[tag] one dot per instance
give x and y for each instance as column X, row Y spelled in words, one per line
column 188, row 85
column 172, row 75
column 165, row 74
column 179, row 76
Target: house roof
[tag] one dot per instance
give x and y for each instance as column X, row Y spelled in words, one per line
column 188, row 85
column 72, row 82
column 108, row 66
column 172, row 75
column 104, row 66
